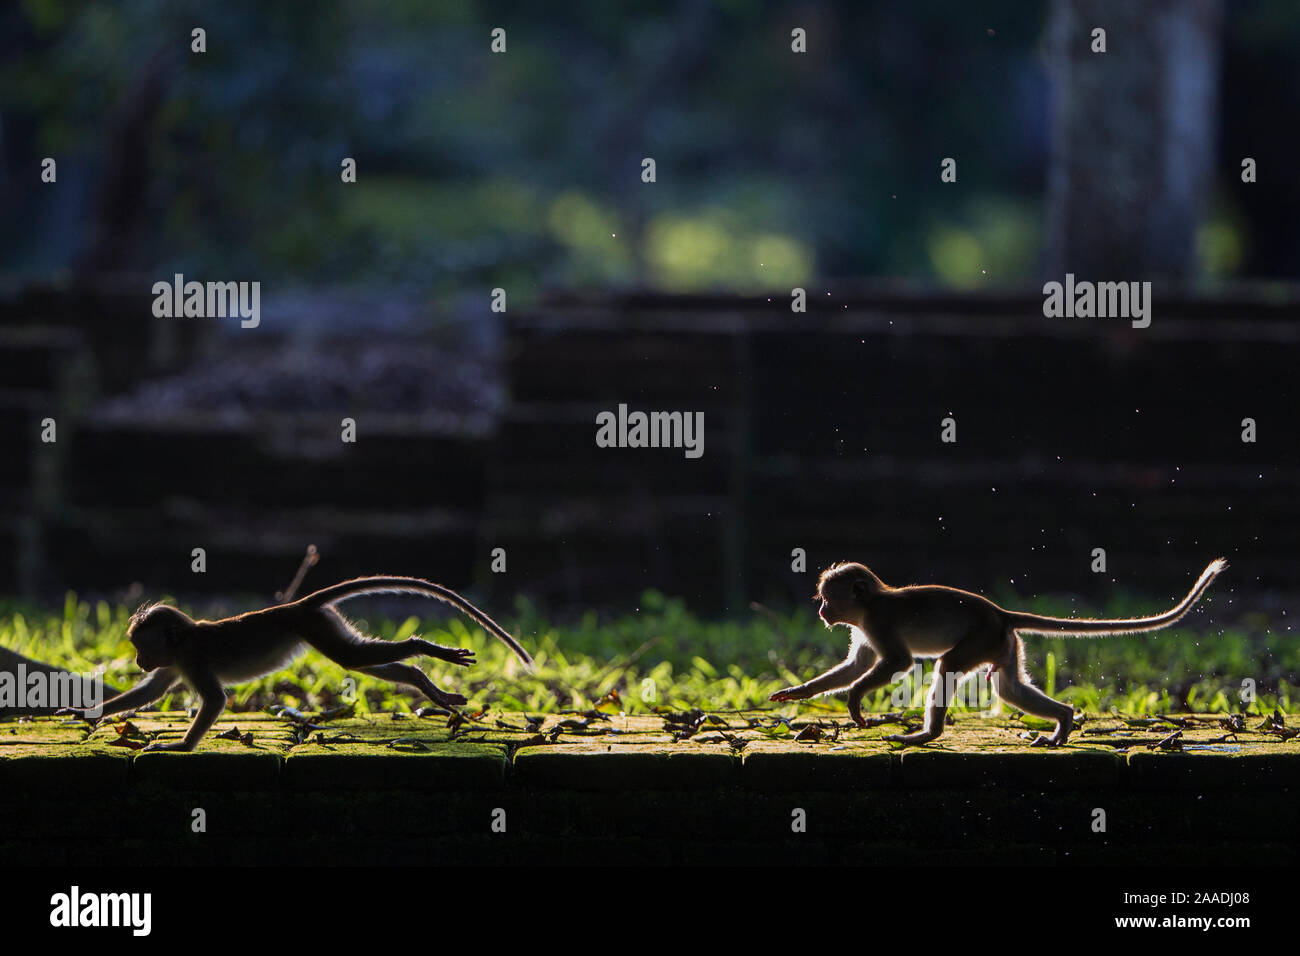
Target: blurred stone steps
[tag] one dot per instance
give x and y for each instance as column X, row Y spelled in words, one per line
column 277, row 461
column 258, row 551
column 592, row 549
column 550, row 448
column 1094, row 434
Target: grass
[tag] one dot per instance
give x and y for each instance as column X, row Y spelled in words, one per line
column 663, row 657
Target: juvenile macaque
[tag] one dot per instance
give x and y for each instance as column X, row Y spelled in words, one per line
column 893, row 626
column 210, row 655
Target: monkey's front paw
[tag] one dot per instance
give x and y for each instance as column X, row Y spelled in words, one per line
column 453, row 700
column 178, row 746
column 462, row 656
column 1052, row 741
column 920, row 737
column 789, row 693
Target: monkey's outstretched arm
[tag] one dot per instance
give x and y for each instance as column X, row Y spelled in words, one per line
column 154, row 685
column 880, row 674
column 212, row 701
column 837, row 678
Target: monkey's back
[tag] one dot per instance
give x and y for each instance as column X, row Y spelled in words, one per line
column 932, row 618
column 250, row 645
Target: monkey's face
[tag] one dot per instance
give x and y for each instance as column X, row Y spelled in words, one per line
column 836, row 604
column 823, row 607
column 152, row 630
column 151, row 650
column 844, row 591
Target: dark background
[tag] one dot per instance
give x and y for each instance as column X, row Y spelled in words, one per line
column 522, row 171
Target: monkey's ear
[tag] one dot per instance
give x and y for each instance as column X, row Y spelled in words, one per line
column 171, row 635
column 861, row 591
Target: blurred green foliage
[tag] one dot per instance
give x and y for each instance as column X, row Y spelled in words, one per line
column 524, row 167
column 473, row 167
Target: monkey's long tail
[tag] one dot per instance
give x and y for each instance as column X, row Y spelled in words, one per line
column 1094, row 627
column 358, row 587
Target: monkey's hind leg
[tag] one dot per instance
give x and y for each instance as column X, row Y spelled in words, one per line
column 1012, row 684
column 414, row 677
column 948, row 671
column 334, row 636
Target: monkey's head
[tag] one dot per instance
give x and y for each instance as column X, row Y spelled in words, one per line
column 844, row 590
column 154, row 630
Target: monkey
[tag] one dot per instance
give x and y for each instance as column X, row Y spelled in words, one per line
column 894, row 625
column 209, row 655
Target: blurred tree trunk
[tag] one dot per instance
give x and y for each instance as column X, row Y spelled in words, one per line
column 1132, row 135
column 121, row 211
